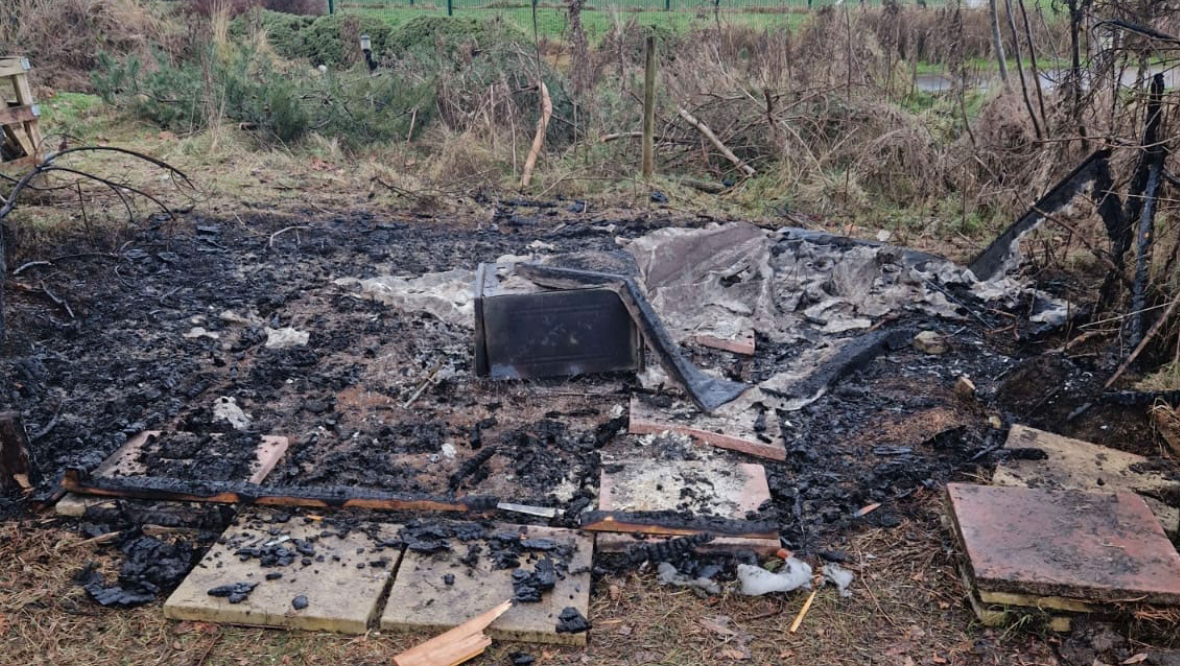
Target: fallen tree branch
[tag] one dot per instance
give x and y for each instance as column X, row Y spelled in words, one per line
column 284, row 230
column 539, row 138
column 708, row 134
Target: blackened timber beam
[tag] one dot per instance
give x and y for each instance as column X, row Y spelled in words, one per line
column 1095, row 170
column 229, row 492
column 665, row 524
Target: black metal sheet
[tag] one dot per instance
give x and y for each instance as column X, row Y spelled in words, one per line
column 553, row 333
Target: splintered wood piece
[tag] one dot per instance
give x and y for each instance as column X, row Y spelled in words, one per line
column 15, row 465
column 456, row 646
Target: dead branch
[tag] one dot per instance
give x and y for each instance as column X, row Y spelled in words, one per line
column 280, row 232
column 1142, row 344
column 539, row 138
column 708, row 134
column 47, row 165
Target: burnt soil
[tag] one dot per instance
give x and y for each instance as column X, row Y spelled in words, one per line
column 890, row 431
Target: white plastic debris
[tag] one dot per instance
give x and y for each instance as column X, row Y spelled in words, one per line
column 838, row 576
column 226, row 409
column 448, row 451
column 670, row 576
column 231, row 317
column 757, row 581
column 198, row 332
column 283, row 338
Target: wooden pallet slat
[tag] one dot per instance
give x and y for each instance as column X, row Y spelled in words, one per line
column 18, row 114
column 19, row 123
column 13, row 65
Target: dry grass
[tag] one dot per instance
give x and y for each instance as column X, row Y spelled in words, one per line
column 907, row 608
column 64, row 37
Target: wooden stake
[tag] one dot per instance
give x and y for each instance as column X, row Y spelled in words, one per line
column 539, row 138
column 15, row 468
column 649, row 107
column 721, row 147
column 803, row 612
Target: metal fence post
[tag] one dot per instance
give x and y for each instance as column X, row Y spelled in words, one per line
column 331, row 6
column 450, row 7
column 667, row 5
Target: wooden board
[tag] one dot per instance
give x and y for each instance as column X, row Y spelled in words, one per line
column 421, row 601
column 341, row 597
column 615, row 542
column 743, row 343
column 723, row 430
column 1076, row 465
column 13, row 65
column 18, row 114
column 1096, row 547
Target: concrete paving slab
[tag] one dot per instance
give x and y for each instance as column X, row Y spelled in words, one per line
column 125, row 461
column 422, row 600
column 1065, row 543
column 342, row 575
column 726, row 430
column 714, row 487
column 1076, row 465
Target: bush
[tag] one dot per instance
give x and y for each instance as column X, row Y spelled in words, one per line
column 463, row 76
column 327, row 40
column 239, row 7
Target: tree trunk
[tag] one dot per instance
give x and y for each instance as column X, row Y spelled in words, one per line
column 998, row 43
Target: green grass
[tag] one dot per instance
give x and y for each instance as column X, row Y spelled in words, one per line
column 552, row 22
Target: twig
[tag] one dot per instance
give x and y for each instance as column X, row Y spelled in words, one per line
column 1142, row 344
column 425, row 383
column 29, row 265
column 708, row 134
column 285, row 230
column 58, row 302
column 48, row 427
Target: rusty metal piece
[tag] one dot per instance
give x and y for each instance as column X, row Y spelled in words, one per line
column 523, row 334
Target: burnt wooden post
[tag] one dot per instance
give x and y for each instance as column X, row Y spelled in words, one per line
column 16, row 469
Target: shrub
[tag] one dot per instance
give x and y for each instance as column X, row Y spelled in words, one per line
column 326, row 40
column 239, row 7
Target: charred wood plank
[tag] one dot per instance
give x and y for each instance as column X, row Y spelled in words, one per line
column 671, row 524
column 231, row 492
column 16, row 469
column 1094, row 170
